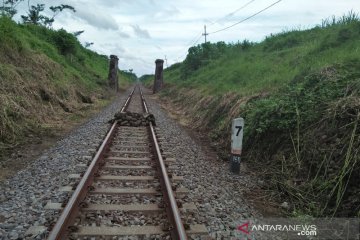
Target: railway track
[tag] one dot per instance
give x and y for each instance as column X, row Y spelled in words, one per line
column 129, row 190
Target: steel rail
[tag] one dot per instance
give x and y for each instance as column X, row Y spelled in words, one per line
column 128, row 100
column 69, row 213
column 173, row 213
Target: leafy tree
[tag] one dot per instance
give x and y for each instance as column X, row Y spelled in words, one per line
column 57, row 9
column 202, row 54
column 35, row 17
column 65, row 42
column 8, row 7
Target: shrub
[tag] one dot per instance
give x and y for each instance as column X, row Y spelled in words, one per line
column 65, row 42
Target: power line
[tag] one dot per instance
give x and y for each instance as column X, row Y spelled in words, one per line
column 183, row 55
column 232, row 13
column 196, row 39
column 223, row 29
column 193, row 40
column 190, row 45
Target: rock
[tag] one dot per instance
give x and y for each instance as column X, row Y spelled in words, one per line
column 133, row 119
column 285, row 205
column 14, row 235
column 260, row 182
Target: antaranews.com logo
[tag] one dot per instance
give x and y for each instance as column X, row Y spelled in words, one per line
column 293, row 228
column 301, row 230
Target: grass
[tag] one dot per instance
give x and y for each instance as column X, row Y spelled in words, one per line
column 273, row 63
column 299, row 94
column 46, row 76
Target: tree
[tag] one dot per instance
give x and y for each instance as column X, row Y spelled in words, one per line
column 57, row 9
column 35, row 17
column 8, row 7
column 65, row 42
column 201, row 55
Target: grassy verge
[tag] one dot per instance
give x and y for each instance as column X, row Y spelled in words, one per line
column 47, row 78
column 298, row 92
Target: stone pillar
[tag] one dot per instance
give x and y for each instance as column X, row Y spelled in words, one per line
column 158, row 81
column 113, row 70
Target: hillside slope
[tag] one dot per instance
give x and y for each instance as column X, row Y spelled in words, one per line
column 298, row 92
column 47, row 80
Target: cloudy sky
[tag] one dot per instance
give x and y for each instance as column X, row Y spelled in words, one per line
column 140, row 31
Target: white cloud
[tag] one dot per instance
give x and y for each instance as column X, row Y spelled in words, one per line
column 98, row 20
column 167, row 13
column 143, row 30
column 143, row 33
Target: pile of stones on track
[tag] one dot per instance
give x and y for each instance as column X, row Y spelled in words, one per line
column 133, row 119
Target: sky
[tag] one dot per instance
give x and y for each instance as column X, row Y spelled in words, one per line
column 141, row 31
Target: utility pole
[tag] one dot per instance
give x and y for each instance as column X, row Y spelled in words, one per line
column 205, row 34
column 166, row 61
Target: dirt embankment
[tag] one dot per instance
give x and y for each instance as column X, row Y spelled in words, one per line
column 37, row 108
column 302, row 141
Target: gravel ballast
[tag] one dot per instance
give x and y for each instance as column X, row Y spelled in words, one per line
column 23, row 197
column 216, row 192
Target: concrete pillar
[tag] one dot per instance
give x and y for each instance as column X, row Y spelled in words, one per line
column 237, row 132
column 158, row 81
column 113, row 70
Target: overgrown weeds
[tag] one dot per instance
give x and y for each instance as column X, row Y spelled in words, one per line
column 301, row 114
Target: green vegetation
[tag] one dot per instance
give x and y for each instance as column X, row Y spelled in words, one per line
column 34, row 15
column 299, row 93
column 247, row 68
column 8, row 7
column 45, row 77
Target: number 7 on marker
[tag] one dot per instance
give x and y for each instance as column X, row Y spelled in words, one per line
column 239, row 129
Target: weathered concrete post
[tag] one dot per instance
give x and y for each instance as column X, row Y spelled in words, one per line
column 158, row 81
column 237, row 132
column 113, row 70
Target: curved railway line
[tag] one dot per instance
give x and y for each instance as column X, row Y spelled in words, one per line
column 129, row 190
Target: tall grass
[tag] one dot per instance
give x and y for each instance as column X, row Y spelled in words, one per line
column 274, row 62
column 350, row 18
column 299, row 93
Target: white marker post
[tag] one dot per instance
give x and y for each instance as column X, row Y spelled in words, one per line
column 237, row 132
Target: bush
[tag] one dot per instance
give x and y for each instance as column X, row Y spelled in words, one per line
column 65, row 42
column 202, row 55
